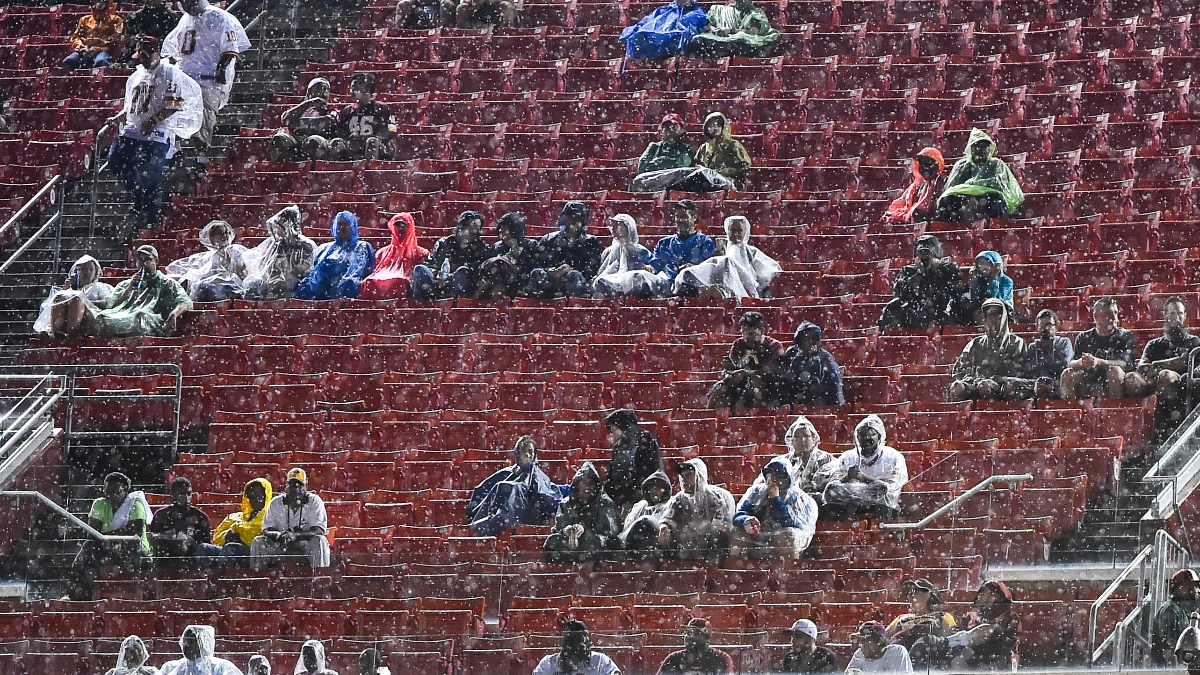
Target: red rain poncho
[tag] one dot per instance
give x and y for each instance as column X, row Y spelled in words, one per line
column 919, row 194
column 394, row 263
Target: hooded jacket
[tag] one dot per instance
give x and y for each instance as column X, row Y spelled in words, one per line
column 634, row 458
column 394, row 263
column 581, row 253
column 999, row 287
column 245, row 524
column 999, row 649
column 599, row 517
column 886, row 465
column 723, row 153
column 930, row 293
column 918, row 199
column 988, row 357
column 543, row 495
column 100, row 32
column 810, row 380
column 207, row 663
column 340, row 266
column 451, row 248
column 992, row 177
column 319, row 650
column 664, row 32
column 530, row 254
column 708, row 508
column 644, row 509
column 127, row 667
column 793, row 508
column 812, row 476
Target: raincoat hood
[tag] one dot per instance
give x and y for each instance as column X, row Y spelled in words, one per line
column 994, row 258
column 353, row 221
column 516, row 446
column 803, row 328
column 622, row 419
column 779, row 465
column 257, row 659
column 404, row 245
column 729, row 224
column 1005, row 333
column 85, row 261
column 630, row 225
column 997, row 610
column 125, row 667
column 514, row 221
column 931, row 242
column 976, row 136
column 206, row 637
column 660, row 477
column 872, row 422
column 286, row 223
column 247, row 509
column 320, row 652
column 701, row 470
column 573, row 208
column 586, row 471
column 932, row 153
column 726, row 132
column 801, row 422
column 212, row 228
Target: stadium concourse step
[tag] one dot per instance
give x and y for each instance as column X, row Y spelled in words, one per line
column 1109, row 533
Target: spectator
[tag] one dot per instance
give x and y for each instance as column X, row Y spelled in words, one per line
column 811, row 466
column 980, row 185
column 807, row 657
column 988, row 280
column 1163, row 368
column 697, row 657
column 570, row 258
column 154, row 18
column 294, row 525
column 514, row 257
column 924, row 625
column 235, row 534
column 205, row 44
column 395, row 262
column 217, row 273
column 875, row 655
column 365, row 127
column 665, row 32
column 424, row 14
column 98, row 37
column 990, row 639
column 1174, row 616
column 635, row 457
column 82, row 282
column 484, row 13
column 1045, row 360
column 806, row 374
column 722, row 153
column 120, row 512
column 868, row 478
column 259, row 665
column 989, row 361
column 198, row 644
column 916, row 203
column 739, row 28
column 162, row 106
column 370, row 663
column 180, row 534
column 576, row 655
column 926, row 290
column 312, row 659
column 586, row 523
column 670, row 151
column 132, row 658
column 639, row 536
column 751, row 359
column 521, row 493
column 457, row 258
column 775, row 517
column 688, row 246
column 699, row 517
column 739, row 271
column 307, row 126
column 147, row 303
column 625, row 267
column 282, row 260
column 1104, row 355
column 339, row 266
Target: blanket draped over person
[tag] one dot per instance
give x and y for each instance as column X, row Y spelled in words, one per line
column 743, row 272
column 992, row 177
column 207, row 663
column 132, row 658
column 394, row 263
column 216, row 273
column 664, row 32
column 140, row 306
column 340, row 265
column 740, row 28
column 95, row 292
column 625, row 265
column 920, row 194
column 512, row 495
column 245, row 523
column 282, row 260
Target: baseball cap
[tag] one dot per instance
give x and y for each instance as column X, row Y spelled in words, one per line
column 683, row 466
column 923, row 585
column 673, row 118
column 1185, row 574
column 870, row 629
column 316, row 81
column 687, row 204
column 147, row 249
column 803, row 626
column 701, row 625
column 297, row 474
column 148, row 42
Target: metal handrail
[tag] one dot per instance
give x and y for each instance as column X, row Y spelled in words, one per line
column 37, row 197
column 54, row 220
column 40, row 380
column 30, row 417
column 950, row 505
column 1138, row 561
column 109, row 125
column 75, row 520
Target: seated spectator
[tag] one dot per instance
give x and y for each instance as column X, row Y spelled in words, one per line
column 722, row 153
column 926, row 291
column 339, row 266
column 988, row 280
column 916, row 203
column 570, row 258
column 586, row 523
column 989, row 361
column 924, row 624
column 1173, row 617
column 521, row 493
column 992, row 632
column 365, row 128
column 980, row 185
column 514, row 257
column 775, row 517
column 132, row 658
column 120, row 512
column 154, row 18
column 1045, row 360
column 307, row 126
column 739, row 28
column 395, row 262
column 738, row 271
column 576, row 655
column 180, row 534
column 806, row 374
column 312, row 660
column 1163, row 369
column 82, row 283
column 670, row 151
column 751, row 360
column 98, row 38
column 456, row 258
column 625, row 267
column 484, row 13
column 697, row 657
column 1104, row 354
column 282, row 260
column 688, row 246
column 875, row 654
column 665, row 32
column 235, row 534
column 294, row 525
column 635, row 457
column 807, row 657
column 639, row 536
column 424, row 14
column 259, row 665
column 217, row 273
column 198, row 644
column 370, row 662
column 699, row 518
column 811, row 466
column 148, row 303
column 867, row 479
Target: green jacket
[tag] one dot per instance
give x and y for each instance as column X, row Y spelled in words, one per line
column 1169, row 622
column 991, row 177
column 724, row 154
column 750, row 27
column 661, row 155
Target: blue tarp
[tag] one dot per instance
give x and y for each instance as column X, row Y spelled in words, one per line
column 664, row 32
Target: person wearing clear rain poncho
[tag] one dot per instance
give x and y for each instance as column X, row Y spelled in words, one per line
column 340, row 265
column 394, row 263
column 199, row 647
column 521, row 493
column 775, row 517
column 639, row 535
column 82, row 282
column 217, row 273
column 147, row 303
column 258, row 665
column 811, row 466
column 312, row 660
column 282, row 260
column 742, row 271
column 698, row 518
column 132, row 658
column 867, row 479
column 739, row 28
column 980, row 185
column 625, row 265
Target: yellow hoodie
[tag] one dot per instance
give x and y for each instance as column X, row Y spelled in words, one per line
column 242, row 524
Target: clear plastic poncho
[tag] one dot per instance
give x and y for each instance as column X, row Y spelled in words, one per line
column 282, row 260
column 319, row 651
column 127, row 665
column 167, row 87
column 96, row 293
column 625, row 264
column 216, row 273
column 207, row 663
column 743, row 272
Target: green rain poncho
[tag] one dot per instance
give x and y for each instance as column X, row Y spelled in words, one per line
column 724, row 154
column 969, row 179
column 140, row 307
column 741, row 29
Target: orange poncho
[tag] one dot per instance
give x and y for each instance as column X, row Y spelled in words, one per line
column 394, row 263
column 104, row 31
column 919, row 194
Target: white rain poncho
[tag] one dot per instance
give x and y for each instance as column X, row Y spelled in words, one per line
column 132, row 665
column 793, row 509
column 282, row 260
column 167, row 87
column 216, row 273
column 319, row 651
column 709, row 508
column 816, row 470
column 95, row 292
column 743, row 272
column 625, row 265
column 207, row 663
column 198, row 42
column 887, row 466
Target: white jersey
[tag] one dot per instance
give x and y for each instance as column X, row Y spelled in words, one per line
column 149, row 92
column 198, row 43
column 598, row 664
column 310, row 514
column 895, row 659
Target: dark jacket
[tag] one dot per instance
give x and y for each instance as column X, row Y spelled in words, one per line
column 810, row 380
column 581, row 253
column 930, row 294
column 448, row 248
column 187, row 520
column 634, row 458
column 599, row 517
column 823, row 660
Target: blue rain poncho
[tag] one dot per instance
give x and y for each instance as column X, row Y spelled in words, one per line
column 512, row 495
column 664, row 32
column 340, row 266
